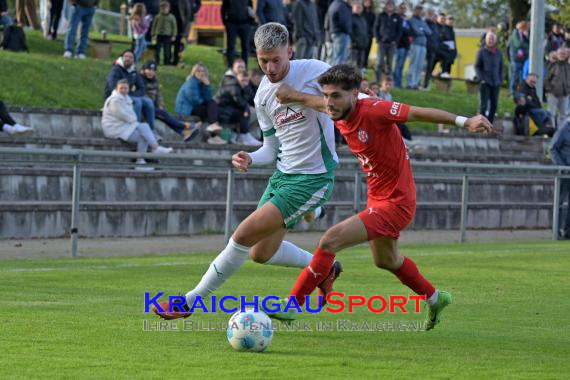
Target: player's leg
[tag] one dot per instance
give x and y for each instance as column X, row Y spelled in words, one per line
column 273, row 250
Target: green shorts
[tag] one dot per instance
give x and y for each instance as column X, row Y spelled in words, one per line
column 296, row 194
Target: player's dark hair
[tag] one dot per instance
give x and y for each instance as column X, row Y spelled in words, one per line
column 345, row 76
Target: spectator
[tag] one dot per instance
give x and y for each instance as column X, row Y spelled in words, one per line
column 10, row 126
column 359, row 37
column 529, row 104
column 385, row 88
column 188, row 130
column 237, row 22
column 255, row 77
column 120, row 122
column 140, row 22
column 432, row 45
column 195, row 99
column 447, row 46
column 375, row 88
column 557, row 86
column 364, row 86
column 4, row 18
column 26, row 14
column 289, row 23
column 340, row 25
column 124, row 68
column 370, row 16
column 184, row 11
column 55, row 9
column 164, row 31
column 420, row 31
column 270, row 11
column 489, row 29
column 387, row 31
column 306, row 29
column 518, row 53
column 83, row 12
column 489, row 68
column 560, row 153
column 237, row 68
column 403, row 45
column 554, row 39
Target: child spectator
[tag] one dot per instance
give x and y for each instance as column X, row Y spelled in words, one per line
column 375, row 88
column 10, row 126
column 120, row 122
column 385, row 94
column 164, row 30
column 55, row 10
column 140, row 22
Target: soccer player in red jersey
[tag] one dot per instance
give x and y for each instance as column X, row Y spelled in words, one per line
column 369, row 127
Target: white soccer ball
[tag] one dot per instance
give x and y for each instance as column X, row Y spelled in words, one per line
column 250, row 331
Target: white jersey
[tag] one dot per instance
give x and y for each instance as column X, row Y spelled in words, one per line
column 306, row 137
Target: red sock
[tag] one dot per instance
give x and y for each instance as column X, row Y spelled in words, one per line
column 313, row 275
column 410, row 276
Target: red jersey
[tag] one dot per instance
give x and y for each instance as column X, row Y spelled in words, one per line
column 373, row 136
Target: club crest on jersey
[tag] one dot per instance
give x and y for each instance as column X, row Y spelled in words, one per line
column 288, row 116
column 363, row 135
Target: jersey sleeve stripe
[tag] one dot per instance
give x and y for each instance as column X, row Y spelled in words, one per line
column 269, row 132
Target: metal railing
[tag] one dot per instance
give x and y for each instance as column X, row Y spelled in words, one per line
column 79, row 159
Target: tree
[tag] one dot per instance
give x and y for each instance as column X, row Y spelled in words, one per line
column 475, row 13
column 563, row 14
column 519, row 10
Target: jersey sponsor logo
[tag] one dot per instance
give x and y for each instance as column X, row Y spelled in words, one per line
column 288, row 116
column 395, row 109
column 362, row 135
column 365, row 162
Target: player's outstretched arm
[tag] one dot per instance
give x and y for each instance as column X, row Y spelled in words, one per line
column 478, row 124
column 287, row 94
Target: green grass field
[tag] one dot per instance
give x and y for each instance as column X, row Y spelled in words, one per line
column 82, row 318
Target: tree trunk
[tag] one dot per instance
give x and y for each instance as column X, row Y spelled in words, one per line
column 519, row 11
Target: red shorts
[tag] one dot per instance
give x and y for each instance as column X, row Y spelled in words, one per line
column 386, row 218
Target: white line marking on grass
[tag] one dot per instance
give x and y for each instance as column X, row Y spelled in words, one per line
column 117, row 266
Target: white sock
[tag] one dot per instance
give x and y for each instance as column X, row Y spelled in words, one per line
column 289, row 255
column 223, row 267
column 318, row 212
column 433, row 299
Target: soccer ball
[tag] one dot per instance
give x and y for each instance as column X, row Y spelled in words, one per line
column 250, row 331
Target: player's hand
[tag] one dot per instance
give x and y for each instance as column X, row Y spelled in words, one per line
column 479, row 124
column 241, row 161
column 371, row 93
column 286, row 94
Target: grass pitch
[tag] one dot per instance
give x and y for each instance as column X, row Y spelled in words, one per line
column 82, row 318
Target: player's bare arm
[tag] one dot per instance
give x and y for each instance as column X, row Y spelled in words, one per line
column 477, row 124
column 287, row 94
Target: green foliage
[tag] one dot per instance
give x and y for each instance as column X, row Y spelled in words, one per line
column 476, row 13
column 563, row 14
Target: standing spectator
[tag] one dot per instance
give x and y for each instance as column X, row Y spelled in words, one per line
column 489, row 68
column 306, row 29
column 359, row 36
column 140, row 22
column 26, row 14
column 188, row 130
column 120, row 122
column 4, row 18
column 388, row 32
column 554, row 39
column 83, row 12
column 403, row 45
column 124, row 68
column 184, row 11
column 270, row 11
column 9, row 125
column 420, row 31
column 164, row 31
column 557, row 86
column 237, row 22
column 518, row 54
column 447, row 46
column 432, row 45
column 560, row 153
column 370, row 16
column 54, row 16
column 340, row 26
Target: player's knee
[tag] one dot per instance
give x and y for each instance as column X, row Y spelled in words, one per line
column 387, row 263
column 330, row 242
column 257, row 257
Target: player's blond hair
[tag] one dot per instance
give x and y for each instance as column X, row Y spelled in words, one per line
column 270, row 36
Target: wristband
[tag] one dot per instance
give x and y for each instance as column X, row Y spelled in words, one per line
column 460, row 121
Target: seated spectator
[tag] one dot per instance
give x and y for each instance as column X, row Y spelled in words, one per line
column 255, row 77
column 375, row 88
column 528, row 104
column 195, row 99
column 120, row 122
column 4, row 18
column 560, row 153
column 234, row 109
column 124, row 68
column 10, row 126
column 385, row 94
column 188, row 130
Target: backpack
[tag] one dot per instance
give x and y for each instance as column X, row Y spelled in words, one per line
column 14, row 39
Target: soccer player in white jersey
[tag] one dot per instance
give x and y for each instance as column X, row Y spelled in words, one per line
column 301, row 142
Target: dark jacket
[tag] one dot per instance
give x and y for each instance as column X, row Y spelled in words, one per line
column 560, row 146
column 118, row 72
column 270, row 11
column 405, row 38
column 370, row 17
column 529, row 94
column 359, row 36
column 433, row 38
column 557, row 80
column 340, row 17
column 388, row 28
column 489, row 66
column 152, row 90
column 235, row 11
column 231, row 99
column 184, row 12
column 85, row 3
column 446, row 33
column 3, row 6
column 306, row 21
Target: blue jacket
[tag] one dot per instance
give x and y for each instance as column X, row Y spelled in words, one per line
column 191, row 94
column 489, row 66
column 420, row 31
column 560, row 146
column 270, row 11
column 118, row 71
column 340, row 17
